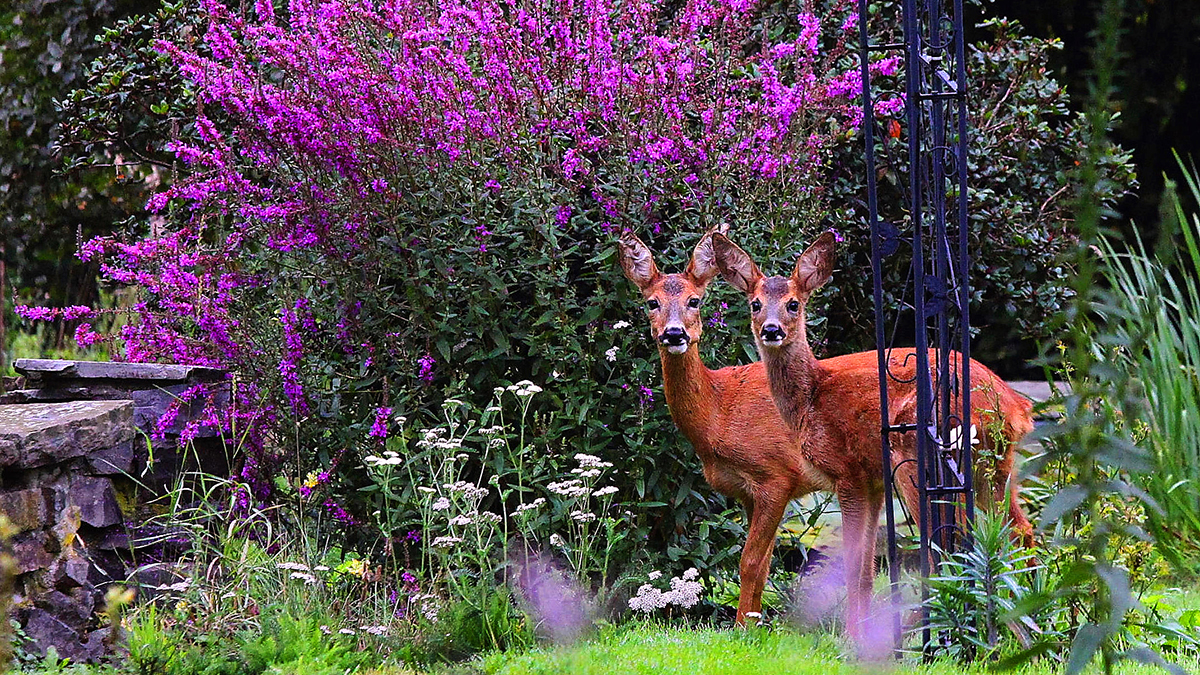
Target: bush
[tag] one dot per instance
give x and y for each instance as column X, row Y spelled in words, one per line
column 386, row 206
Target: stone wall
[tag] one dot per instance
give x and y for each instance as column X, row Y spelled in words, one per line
column 78, row 480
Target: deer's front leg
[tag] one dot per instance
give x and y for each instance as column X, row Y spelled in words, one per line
column 860, row 520
column 765, row 513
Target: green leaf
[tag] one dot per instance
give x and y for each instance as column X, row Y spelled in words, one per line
column 1084, row 647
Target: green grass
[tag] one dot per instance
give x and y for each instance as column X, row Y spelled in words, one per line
column 649, row 649
column 653, row 649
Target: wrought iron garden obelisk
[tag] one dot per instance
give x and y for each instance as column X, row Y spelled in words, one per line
column 929, row 235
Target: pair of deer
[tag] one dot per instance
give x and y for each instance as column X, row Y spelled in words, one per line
column 791, row 424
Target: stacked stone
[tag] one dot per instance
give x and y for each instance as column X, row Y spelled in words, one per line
column 76, row 475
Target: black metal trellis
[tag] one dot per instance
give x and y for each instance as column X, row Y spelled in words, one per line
column 932, row 448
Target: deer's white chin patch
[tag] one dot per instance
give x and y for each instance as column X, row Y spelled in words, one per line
column 677, row 349
column 772, row 343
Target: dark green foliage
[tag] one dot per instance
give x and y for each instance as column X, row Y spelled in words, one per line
column 1095, row 438
column 1025, row 146
column 281, row 644
column 47, row 47
column 974, row 592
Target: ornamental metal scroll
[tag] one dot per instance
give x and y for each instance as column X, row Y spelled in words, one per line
column 930, row 229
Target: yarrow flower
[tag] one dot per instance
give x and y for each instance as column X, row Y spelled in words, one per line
column 524, row 389
column 583, row 516
column 390, row 458
column 587, row 461
column 611, row 353
column 531, row 506
column 307, row 578
column 684, row 592
column 569, row 488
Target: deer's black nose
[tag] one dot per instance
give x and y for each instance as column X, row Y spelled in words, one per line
column 673, row 336
column 772, row 332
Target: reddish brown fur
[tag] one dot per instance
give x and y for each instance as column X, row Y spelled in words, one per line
column 832, row 409
column 727, row 414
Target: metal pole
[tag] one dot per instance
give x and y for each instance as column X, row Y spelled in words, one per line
column 868, row 126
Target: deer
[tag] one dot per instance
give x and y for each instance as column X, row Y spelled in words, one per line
column 831, row 408
column 727, row 414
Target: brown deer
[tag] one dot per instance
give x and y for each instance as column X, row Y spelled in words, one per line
column 831, row 408
column 727, row 414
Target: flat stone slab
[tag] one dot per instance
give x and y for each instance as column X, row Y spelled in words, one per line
column 37, row 434
column 45, row 370
column 1038, row 391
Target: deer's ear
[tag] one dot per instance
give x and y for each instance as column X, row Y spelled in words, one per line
column 815, row 266
column 736, row 266
column 703, row 266
column 636, row 260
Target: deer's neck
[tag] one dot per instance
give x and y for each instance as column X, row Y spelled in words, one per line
column 691, row 396
column 793, row 374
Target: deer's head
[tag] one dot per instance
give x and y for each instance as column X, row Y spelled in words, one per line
column 776, row 303
column 672, row 300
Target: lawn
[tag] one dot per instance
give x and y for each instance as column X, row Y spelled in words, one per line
column 649, row 649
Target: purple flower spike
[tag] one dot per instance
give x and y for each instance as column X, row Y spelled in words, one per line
column 379, row 429
column 426, row 373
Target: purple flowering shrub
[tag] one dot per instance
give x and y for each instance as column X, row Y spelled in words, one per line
column 385, row 203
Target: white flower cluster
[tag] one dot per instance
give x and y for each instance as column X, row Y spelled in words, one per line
column 446, row 542
column 611, row 489
column 292, row 566
column 591, row 461
column 307, row 578
column 390, row 457
column 583, row 516
column 522, row 389
column 611, row 353
column 436, row 438
column 685, row 592
column 570, row 488
column 531, row 506
column 441, row 504
column 492, row 430
column 466, row 489
column 621, row 325
column 461, row 520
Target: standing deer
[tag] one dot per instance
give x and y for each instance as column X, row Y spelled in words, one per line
column 727, row 414
column 831, row 409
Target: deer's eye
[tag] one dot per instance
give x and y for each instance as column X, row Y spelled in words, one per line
column 694, row 303
column 652, row 303
column 793, row 306
column 755, row 305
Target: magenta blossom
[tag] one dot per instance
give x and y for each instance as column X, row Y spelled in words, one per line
column 379, row 429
